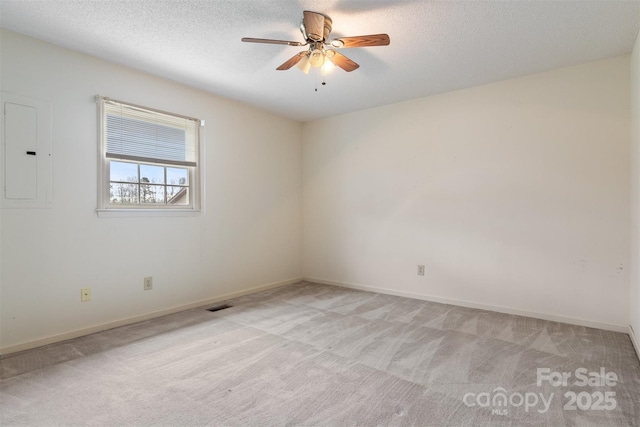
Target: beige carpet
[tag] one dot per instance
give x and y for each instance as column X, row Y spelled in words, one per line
column 310, row 354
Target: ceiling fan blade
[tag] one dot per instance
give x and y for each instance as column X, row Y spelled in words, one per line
column 314, row 25
column 270, row 41
column 342, row 61
column 361, row 41
column 292, row 61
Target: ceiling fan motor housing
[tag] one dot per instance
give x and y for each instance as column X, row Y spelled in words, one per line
column 312, row 24
column 327, row 28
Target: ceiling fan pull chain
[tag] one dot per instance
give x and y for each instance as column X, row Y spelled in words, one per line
column 315, row 78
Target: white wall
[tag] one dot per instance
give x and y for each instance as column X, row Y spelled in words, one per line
column 514, row 195
column 248, row 236
column 635, row 193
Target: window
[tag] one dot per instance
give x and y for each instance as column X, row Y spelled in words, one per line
column 149, row 159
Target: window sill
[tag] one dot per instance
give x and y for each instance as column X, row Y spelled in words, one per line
column 133, row 213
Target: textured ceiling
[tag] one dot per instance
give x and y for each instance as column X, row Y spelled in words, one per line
column 436, row 46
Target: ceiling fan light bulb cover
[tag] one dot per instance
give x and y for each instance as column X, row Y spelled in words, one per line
column 316, row 58
column 327, row 67
column 304, row 64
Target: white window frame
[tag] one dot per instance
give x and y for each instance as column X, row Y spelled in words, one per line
column 195, row 172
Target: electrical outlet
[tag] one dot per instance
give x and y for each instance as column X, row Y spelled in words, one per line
column 148, row 283
column 85, row 294
column 420, row 270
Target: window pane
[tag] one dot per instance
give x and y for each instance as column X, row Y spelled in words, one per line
column 177, row 195
column 121, row 171
column 152, row 194
column 153, row 174
column 123, row 194
column 178, row 176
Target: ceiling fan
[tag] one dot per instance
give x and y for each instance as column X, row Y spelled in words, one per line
column 315, row 28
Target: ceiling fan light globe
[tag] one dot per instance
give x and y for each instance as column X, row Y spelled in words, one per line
column 304, row 64
column 316, row 58
column 327, row 67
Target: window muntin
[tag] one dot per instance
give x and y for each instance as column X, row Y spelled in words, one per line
column 147, row 184
column 149, row 158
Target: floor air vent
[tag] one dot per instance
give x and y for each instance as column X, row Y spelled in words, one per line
column 219, row 307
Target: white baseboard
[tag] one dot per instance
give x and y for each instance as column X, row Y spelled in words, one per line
column 139, row 318
column 634, row 340
column 468, row 304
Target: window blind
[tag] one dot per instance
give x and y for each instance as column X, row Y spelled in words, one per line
column 144, row 135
